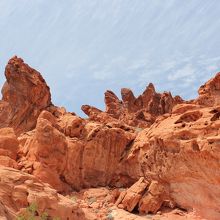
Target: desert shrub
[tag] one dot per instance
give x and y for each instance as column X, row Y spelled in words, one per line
column 121, row 189
column 109, row 217
column 91, row 200
column 31, row 212
column 137, row 129
column 74, row 199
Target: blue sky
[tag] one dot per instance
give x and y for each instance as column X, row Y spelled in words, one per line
column 84, row 47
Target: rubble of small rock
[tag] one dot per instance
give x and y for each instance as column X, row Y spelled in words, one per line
column 154, row 156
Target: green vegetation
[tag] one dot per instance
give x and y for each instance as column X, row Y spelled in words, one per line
column 109, row 217
column 91, row 200
column 121, row 189
column 32, row 213
column 138, row 129
column 73, row 199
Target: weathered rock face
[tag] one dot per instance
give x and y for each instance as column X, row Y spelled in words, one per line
column 24, row 95
column 209, row 93
column 163, row 154
column 133, row 195
column 78, row 160
column 4, row 213
column 97, row 115
column 182, row 153
column 146, row 197
column 139, row 112
column 8, row 148
column 18, row 190
column 113, row 104
column 45, row 152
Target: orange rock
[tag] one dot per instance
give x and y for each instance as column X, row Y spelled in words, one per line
column 172, row 144
column 8, row 143
column 209, row 92
column 183, row 151
column 18, row 190
column 8, row 148
column 153, row 199
column 113, row 104
column 24, row 95
column 134, row 194
column 139, row 112
column 46, row 150
column 5, row 214
column 71, row 125
column 64, row 162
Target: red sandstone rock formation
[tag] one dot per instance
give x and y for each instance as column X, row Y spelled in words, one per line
column 24, row 95
column 170, row 162
column 72, row 161
column 8, row 148
column 138, row 112
column 181, row 152
column 18, row 190
column 209, row 93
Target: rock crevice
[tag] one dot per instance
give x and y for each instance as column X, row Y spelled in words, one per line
column 154, row 153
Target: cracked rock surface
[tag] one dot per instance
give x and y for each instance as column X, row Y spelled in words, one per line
column 154, row 156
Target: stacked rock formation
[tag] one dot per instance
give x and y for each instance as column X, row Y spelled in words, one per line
column 152, row 153
column 138, row 112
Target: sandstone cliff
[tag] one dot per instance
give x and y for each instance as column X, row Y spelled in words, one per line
column 154, row 154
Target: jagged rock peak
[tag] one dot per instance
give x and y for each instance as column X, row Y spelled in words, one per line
column 89, row 110
column 159, row 170
column 23, row 82
column 209, row 93
column 127, row 96
column 113, row 104
column 138, row 112
column 24, row 95
column 151, row 87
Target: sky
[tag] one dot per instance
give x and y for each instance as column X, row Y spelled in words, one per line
column 83, row 48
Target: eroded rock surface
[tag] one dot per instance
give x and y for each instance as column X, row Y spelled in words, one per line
column 18, row 190
column 151, row 155
column 182, row 153
column 74, row 154
column 8, row 148
column 24, row 94
column 139, row 112
column 209, row 92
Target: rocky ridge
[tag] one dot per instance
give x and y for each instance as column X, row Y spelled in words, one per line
column 138, row 112
column 154, row 155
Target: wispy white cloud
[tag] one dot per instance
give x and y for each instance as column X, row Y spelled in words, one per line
column 95, row 45
column 187, row 73
column 102, row 75
column 212, row 68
